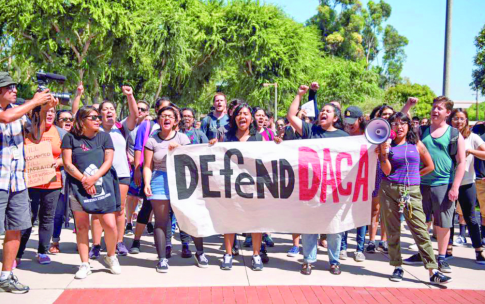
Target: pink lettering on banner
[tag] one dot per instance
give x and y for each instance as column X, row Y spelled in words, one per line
column 340, row 157
column 307, row 156
column 362, row 181
column 328, row 178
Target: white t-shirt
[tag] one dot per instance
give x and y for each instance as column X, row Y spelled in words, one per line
column 120, row 161
column 471, row 142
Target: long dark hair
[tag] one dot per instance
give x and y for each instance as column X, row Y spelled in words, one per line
column 382, row 108
column 232, row 122
column 466, row 130
column 59, row 112
column 411, row 137
column 81, row 115
column 255, row 110
column 339, row 123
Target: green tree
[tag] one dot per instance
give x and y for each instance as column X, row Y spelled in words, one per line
column 394, row 56
column 478, row 73
column 401, row 92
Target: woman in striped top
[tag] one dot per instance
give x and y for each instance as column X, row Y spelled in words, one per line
column 400, row 194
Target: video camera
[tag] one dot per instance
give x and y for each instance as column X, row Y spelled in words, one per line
column 44, row 78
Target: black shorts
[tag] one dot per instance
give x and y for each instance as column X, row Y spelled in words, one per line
column 124, row 181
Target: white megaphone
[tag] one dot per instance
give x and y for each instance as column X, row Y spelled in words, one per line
column 378, row 131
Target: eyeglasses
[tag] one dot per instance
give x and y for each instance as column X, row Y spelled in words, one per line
column 11, row 87
column 66, row 119
column 166, row 117
column 142, row 109
column 459, row 119
column 398, row 124
column 94, row 117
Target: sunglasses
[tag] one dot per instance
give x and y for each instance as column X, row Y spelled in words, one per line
column 66, row 119
column 11, row 87
column 142, row 109
column 94, row 117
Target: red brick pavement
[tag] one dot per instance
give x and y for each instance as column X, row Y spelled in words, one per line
column 270, row 295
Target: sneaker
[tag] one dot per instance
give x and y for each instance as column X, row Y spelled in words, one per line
column 264, row 254
column 343, row 255
column 248, row 242
column 397, row 275
column 226, row 262
column 268, row 240
column 439, row 278
column 415, row 259
column 306, row 269
column 121, row 249
column 443, row 266
column 43, row 259
column 359, row 256
column 113, row 264
column 371, row 247
column 480, row 258
column 135, row 247
column 129, row 229
column 54, row 249
column 201, row 260
column 94, row 253
column 162, row 266
column 294, row 251
column 257, row 263
column 83, row 272
column 186, row 253
column 150, row 229
column 459, row 241
column 168, row 251
column 383, row 246
column 12, row 284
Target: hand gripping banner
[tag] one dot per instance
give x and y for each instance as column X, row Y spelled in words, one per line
column 301, row 186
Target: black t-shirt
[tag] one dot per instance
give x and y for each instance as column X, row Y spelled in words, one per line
column 290, row 134
column 479, row 164
column 314, row 131
column 82, row 143
column 233, row 138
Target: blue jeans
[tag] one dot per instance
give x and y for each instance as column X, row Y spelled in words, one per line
column 360, row 239
column 310, row 243
column 59, row 218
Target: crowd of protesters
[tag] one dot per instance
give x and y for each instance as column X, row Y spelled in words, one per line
column 432, row 170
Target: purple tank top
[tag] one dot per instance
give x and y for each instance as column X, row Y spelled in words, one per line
column 401, row 173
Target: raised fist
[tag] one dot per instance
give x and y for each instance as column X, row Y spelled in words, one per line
column 80, row 89
column 314, row 86
column 127, row 90
column 412, row 101
column 302, row 90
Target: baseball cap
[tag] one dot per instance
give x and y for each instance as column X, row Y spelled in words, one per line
column 352, row 114
column 5, row 79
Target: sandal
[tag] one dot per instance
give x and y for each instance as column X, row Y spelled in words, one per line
column 306, row 269
column 54, row 248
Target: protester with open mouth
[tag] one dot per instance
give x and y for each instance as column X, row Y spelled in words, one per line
column 329, row 124
column 118, row 132
column 155, row 176
column 400, row 195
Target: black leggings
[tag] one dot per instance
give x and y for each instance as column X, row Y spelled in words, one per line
column 468, row 200
column 161, row 212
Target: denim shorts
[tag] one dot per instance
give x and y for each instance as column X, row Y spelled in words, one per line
column 159, row 185
column 15, row 210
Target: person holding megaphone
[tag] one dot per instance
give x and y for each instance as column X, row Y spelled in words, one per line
column 400, row 194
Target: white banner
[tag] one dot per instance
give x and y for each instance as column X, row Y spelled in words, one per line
column 300, row 186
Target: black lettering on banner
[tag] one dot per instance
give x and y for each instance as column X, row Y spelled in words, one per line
column 205, row 173
column 181, row 162
column 263, row 178
column 287, row 179
column 227, row 171
column 239, row 183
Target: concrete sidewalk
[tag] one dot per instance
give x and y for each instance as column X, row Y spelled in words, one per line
column 47, row 282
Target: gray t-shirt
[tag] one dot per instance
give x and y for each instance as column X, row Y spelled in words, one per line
column 120, row 161
column 160, row 148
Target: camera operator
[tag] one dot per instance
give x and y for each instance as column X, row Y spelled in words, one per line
column 14, row 200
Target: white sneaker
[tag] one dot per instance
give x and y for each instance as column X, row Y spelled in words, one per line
column 113, row 264
column 83, row 272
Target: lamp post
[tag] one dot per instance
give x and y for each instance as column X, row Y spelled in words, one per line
column 447, row 64
column 275, row 97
